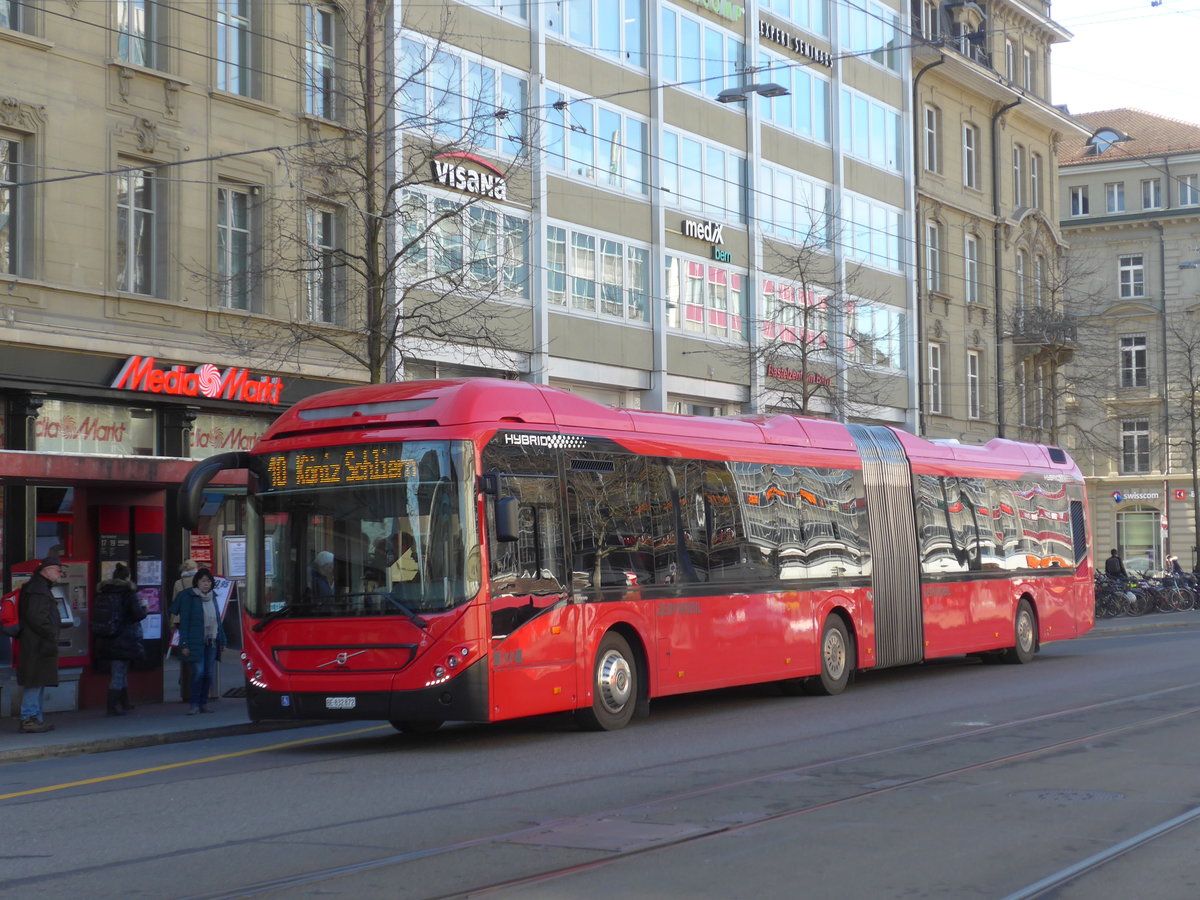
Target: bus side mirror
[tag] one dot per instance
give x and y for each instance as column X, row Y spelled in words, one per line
column 508, row 510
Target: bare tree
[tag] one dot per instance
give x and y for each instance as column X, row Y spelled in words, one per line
column 1183, row 402
column 387, row 230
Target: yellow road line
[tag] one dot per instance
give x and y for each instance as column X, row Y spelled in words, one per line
column 191, row 762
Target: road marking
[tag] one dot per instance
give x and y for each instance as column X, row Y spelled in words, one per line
column 191, row 762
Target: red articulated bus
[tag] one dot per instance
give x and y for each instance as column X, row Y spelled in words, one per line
column 484, row 549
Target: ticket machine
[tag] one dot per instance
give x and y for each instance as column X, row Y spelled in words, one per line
column 73, row 608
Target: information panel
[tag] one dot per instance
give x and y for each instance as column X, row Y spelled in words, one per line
column 335, row 466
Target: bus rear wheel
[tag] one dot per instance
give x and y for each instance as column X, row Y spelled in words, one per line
column 614, row 686
column 837, row 660
column 416, row 726
column 1024, row 635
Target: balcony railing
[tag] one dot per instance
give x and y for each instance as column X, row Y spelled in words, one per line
column 1043, row 327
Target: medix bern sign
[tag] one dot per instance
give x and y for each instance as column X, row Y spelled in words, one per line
column 451, row 174
column 140, row 374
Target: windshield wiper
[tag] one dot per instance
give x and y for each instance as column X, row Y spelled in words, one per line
column 272, row 615
column 413, row 617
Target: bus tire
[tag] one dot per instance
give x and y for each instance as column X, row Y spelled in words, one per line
column 1024, row 635
column 837, row 660
column 416, row 726
column 614, row 686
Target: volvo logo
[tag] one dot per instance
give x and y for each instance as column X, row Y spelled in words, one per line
column 340, row 659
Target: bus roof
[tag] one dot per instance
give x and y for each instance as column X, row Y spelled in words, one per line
column 507, row 404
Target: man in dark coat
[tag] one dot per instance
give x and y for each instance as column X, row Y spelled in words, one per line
column 37, row 668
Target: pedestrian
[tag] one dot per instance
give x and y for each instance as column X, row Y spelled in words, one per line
column 117, row 628
column 187, row 571
column 201, row 636
column 1173, row 566
column 1113, row 567
column 37, row 669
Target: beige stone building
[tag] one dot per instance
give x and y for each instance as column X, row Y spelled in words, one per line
column 143, row 181
column 1130, row 195
column 993, row 325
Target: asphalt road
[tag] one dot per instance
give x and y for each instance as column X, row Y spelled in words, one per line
column 1071, row 777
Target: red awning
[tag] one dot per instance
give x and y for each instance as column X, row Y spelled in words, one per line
column 31, row 465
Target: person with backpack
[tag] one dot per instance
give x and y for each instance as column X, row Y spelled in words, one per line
column 37, row 668
column 117, row 629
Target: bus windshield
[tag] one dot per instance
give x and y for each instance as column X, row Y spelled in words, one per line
column 367, row 530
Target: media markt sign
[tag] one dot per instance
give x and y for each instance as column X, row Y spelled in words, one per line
column 449, row 171
column 141, row 374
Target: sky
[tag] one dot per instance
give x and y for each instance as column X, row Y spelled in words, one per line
column 1143, row 54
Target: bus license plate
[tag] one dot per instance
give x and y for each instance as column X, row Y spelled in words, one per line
column 340, row 702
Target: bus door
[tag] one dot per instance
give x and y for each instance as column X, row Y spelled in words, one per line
column 533, row 621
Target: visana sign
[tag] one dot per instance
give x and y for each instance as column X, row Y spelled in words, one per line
column 140, row 374
column 704, row 231
column 450, row 174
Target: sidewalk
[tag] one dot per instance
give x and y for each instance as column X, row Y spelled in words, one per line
column 91, row 731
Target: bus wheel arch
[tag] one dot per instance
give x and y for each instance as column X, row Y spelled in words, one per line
column 1025, row 632
column 838, row 656
column 618, row 682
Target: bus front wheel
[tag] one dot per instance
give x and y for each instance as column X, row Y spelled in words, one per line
column 614, row 686
column 837, row 659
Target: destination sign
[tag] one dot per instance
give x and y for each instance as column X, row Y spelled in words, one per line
column 335, row 466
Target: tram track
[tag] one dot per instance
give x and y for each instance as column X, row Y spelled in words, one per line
column 667, row 805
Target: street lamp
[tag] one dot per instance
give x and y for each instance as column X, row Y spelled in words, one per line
column 743, row 92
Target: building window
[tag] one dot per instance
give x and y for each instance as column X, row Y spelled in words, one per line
column 935, row 378
column 794, row 208
column 514, row 9
column 11, row 208
column 1132, row 274
column 930, row 27
column 1135, row 447
column 1035, row 180
column 1039, row 279
column 871, row 130
column 697, row 55
column 13, row 15
column 702, row 177
column 973, row 406
column 793, row 316
column 811, row 15
column 1079, row 201
column 234, row 72
column 319, row 77
column 475, row 246
column 457, row 96
column 1018, row 174
column 871, row 31
column 971, row 156
column 1043, row 406
column 606, row 275
column 136, row 230
column 612, row 28
column 933, row 256
column 704, row 298
column 321, row 265
column 1020, row 273
column 136, row 25
column 1134, row 373
column 1189, row 191
column 877, row 336
column 1010, row 60
column 875, row 232
column 805, row 111
column 933, row 139
column 1029, row 72
column 1023, row 395
column 971, row 268
column 591, row 141
column 235, row 244
column 1152, row 193
column 1114, row 196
